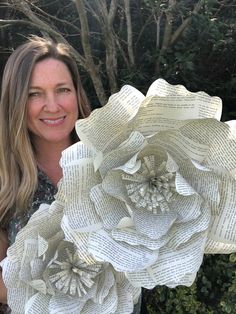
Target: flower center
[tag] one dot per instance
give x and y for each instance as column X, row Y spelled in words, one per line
column 69, row 274
column 151, row 186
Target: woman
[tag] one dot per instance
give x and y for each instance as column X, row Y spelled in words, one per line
column 41, row 99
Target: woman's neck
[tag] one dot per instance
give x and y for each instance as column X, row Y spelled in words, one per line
column 48, row 157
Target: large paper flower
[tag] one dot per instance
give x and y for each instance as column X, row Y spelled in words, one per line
column 153, row 179
column 44, row 273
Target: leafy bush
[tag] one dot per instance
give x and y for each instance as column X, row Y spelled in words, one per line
column 213, row 292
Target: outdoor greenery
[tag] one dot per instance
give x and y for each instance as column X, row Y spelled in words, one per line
column 213, row 292
column 134, row 42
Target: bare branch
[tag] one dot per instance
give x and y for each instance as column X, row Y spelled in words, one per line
column 186, row 23
column 53, row 17
column 105, row 16
column 90, row 66
column 11, row 22
column 129, row 31
column 24, row 7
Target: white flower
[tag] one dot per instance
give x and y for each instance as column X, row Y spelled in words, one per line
column 44, row 274
column 153, row 179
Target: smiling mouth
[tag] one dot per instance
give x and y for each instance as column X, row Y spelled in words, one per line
column 53, row 121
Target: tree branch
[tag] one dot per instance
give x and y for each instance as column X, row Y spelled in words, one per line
column 90, row 65
column 185, row 23
column 129, row 31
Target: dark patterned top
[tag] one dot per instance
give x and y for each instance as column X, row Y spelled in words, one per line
column 44, row 194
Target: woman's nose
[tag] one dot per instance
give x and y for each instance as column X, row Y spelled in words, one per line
column 51, row 103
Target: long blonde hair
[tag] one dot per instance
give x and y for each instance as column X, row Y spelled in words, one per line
column 18, row 169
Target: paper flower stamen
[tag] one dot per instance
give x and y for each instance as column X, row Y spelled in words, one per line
column 69, row 274
column 152, row 186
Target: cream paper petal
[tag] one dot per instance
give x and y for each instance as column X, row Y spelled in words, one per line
column 159, row 154
column 38, row 303
column 186, row 207
column 37, row 266
column 162, row 88
column 182, row 232
column 42, row 245
column 79, row 178
column 218, row 136
column 38, row 224
column 17, row 296
column 154, row 226
column 226, row 217
column 108, row 306
column 173, row 104
column 180, row 146
column 199, row 180
column 123, row 153
column 187, row 280
column 82, row 216
column 172, row 265
column 63, row 304
column 125, row 302
column 208, row 127
column 110, row 209
column 127, row 287
column 217, row 247
column 18, row 292
column 232, row 125
column 113, row 184
column 53, row 243
column 131, row 166
column 132, row 237
column 39, row 285
column 105, row 282
column 30, row 252
column 93, row 130
column 182, row 186
column 208, row 107
column 122, row 256
column 79, row 239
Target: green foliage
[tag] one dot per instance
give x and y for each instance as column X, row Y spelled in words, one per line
column 213, row 292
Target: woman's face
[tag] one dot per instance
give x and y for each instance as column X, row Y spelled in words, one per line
column 52, row 108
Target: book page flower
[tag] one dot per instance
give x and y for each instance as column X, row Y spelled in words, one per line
column 155, row 174
column 43, row 272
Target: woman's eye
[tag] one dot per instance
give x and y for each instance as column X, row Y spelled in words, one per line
column 63, row 90
column 34, row 94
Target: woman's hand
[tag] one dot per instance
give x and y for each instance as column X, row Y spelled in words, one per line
column 3, row 250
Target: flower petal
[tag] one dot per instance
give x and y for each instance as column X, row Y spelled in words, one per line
column 182, row 232
column 132, row 237
column 223, row 226
column 172, row 266
column 123, row 153
column 61, row 304
column 79, row 208
column 38, row 303
column 93, row 130
column 217, row 247
column 110, row 209
column 153, row 225
column 108, row 306
column 123, row 257
column 106, row 280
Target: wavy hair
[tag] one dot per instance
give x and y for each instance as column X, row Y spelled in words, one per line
column 18, row 168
